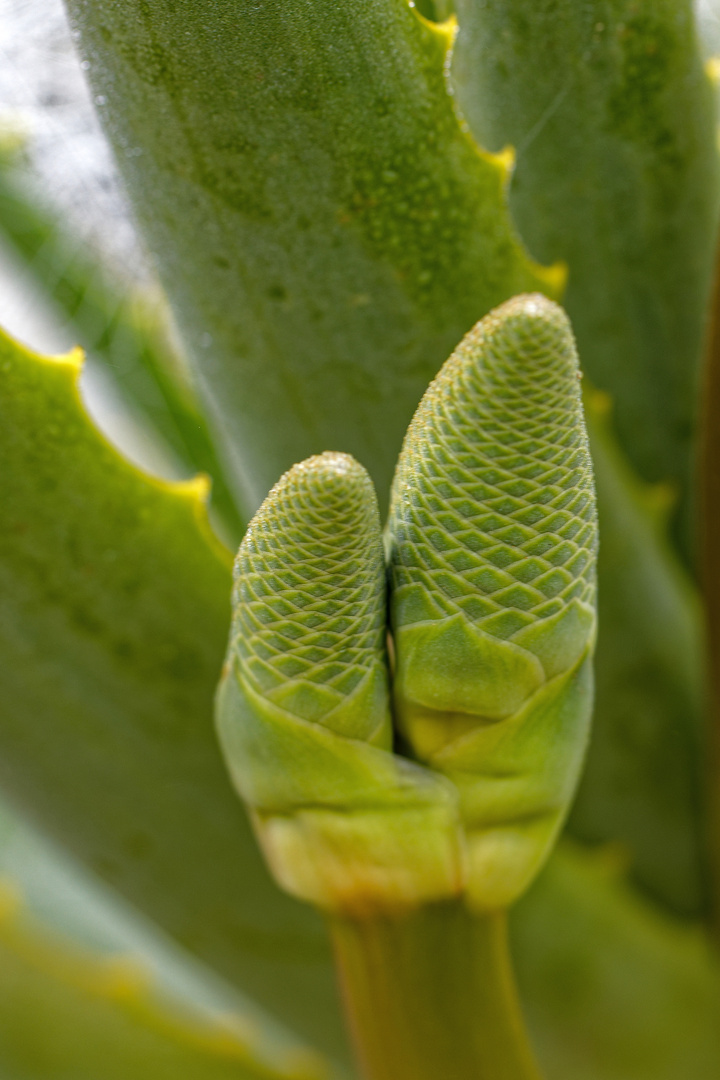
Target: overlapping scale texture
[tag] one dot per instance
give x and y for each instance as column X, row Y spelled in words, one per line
column 492, row 542
column 309, row 600
column 493, row 515
column 303, row 707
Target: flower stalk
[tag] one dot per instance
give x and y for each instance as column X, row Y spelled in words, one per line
column 431, row 994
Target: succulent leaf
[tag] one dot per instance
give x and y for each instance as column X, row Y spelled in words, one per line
column 114, row 615
column 643, row 781
column 665, row 967
column 611, row 113
column 123, row 333
column 324, row 226
column 614, row 120
column 102, row 1016
column 492, row 537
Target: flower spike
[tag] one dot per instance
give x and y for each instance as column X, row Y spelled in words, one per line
column 492, row 540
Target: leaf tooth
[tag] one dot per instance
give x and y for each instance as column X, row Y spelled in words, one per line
column 444, row 32
column 440, row 38
column 196, row 489
column 75, row 359
column 194, row 492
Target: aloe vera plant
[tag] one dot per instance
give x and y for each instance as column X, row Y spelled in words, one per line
column 381, row 839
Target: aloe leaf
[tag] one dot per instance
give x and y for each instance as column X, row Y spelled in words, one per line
column 70, row 903
column 120, row 330
column 102, row 1016
column 324, row 227
column 113, row 622
column 709, row 534
column 643, row 781
column 613, row 122
column 643, row 1005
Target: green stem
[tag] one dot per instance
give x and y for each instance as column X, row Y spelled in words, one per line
column 430, row 995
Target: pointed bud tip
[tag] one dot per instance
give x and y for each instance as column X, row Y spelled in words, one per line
column 331, row 477
column 535, row 309
column 527, row 332
column 331, row 464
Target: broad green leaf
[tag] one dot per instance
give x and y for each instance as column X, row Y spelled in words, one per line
column 72, row 904
column 643, row 780
column 324, row 227
column 123, row 332
column 70, row 1012
column 614, row 991
column 113, row 622
column 613, row 122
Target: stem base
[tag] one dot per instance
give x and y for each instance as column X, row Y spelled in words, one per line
column 430, row 994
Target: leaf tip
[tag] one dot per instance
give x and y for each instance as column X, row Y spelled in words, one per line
column 196, row 493
column 71, row 362
column 505, row 159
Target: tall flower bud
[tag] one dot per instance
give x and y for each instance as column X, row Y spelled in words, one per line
column 492, row 540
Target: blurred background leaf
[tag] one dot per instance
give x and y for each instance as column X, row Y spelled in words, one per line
column 613, row 120
column 113, row 625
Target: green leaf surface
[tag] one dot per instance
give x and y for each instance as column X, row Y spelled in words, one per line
column 113, row 622
column 643, row 781
column 72, row 904
column 121, row 331
column 69, row 1012
column 436, row 10
column 613, row 121
column 324, row 227
column 613, row 990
